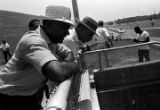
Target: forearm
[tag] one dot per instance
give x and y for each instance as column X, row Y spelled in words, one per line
column 138, row 41
column 69, row 57
column 59, row 71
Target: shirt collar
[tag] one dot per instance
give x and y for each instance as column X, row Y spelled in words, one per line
column 75, row 36
column 43, row 35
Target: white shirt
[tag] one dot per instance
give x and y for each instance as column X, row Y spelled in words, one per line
column 4, row 47
column 102, row 34
column 142, row 37
column 72, row 42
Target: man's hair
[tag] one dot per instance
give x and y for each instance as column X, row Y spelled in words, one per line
column 137, row 29
column 33, row 24
column 100, row 23
column 3, row 41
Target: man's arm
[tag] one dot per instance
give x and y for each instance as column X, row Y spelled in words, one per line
column 147, row 39
column 69, row 56
column 65, row 53
column 60, row 71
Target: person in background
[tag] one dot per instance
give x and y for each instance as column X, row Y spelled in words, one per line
column 33, row 24
column 5, row 48
column 103, row 36
column 104, row 40
column 142, row 37
column 39, row 56
column 82, row 33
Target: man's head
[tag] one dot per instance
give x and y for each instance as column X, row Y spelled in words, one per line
column 137, row 29
column 3, row 41
column 100, row 23
column 56, row 28
column 86, row 29
column 33, row 24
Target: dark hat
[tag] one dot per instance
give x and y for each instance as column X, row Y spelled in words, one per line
column 58, row 13
column 90, row 23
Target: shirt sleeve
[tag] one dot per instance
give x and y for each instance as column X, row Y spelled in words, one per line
column 37, row 52
column 7, row 45
column 106, row 32
column 146, row 35
column 62, row 51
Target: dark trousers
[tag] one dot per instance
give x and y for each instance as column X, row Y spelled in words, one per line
column 143, row 53
column 6, row 54
column 19, row 102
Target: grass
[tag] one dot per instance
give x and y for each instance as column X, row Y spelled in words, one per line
column 121, row 57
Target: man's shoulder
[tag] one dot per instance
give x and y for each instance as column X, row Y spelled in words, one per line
column 31, row 37
column 145, row 33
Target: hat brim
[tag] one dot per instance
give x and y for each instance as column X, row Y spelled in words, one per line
column 58, row 19
column 78, row 21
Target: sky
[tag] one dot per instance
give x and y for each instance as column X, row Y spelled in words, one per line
column 106, row 10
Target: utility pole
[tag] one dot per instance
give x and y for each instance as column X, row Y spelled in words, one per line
column 75, row 10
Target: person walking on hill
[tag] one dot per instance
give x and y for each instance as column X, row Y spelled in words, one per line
column 142, row 37
column 5, row 48
column 39, row 56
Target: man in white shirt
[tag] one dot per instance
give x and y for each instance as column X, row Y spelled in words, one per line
column 103, row 36
column 5, row 49
column 104, row 40
column 82, row 33
column 143, row 51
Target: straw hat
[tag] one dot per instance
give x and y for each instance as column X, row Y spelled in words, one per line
column 58, row 13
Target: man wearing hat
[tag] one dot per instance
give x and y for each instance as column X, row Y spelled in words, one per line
column 82, row 33
column 38, row 56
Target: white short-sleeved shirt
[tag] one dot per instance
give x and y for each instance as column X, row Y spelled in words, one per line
column 142, row 37
column 4, row 47
column 72, row 42
column 102, row 34
column 22, row 74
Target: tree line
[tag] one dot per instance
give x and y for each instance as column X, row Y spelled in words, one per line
column 136, row 18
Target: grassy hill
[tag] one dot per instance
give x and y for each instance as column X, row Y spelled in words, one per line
column 12, row 26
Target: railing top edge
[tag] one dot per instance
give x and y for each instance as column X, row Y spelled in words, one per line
column 122, row 47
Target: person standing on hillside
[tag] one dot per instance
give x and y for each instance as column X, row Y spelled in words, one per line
column 39, row 56
column 5, row 48
column 142, row 37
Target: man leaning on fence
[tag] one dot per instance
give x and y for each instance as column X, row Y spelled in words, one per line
column 81, row 34
column 34, row 61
